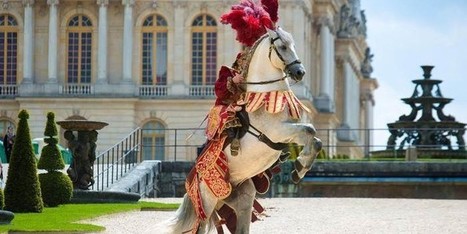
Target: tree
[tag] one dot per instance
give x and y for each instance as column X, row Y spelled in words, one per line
column 22, row 190
column 56, row 187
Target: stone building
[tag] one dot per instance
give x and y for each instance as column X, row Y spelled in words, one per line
column 153, row 63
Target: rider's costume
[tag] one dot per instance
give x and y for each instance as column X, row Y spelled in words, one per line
column 250, row 20
column 222, row 115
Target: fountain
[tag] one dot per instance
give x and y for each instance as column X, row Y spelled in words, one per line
column 81, row 136
column 428, row 135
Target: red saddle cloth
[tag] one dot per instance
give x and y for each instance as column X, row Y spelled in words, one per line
column 211, row 168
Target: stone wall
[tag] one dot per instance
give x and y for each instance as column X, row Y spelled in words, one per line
column 172, row 179
column 349, row 179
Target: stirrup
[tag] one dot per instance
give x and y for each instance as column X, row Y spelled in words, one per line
column 234, row 147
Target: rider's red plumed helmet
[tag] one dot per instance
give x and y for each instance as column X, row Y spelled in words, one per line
column 250, row 19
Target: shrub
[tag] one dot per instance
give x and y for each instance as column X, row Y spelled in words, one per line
column 322, row 155
column 51, row 158
column 22, row 189
column 56, row 188
column 2, row 201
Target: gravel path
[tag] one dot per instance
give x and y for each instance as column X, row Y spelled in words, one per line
column 323, row 215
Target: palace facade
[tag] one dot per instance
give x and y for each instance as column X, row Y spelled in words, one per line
column 153, row 63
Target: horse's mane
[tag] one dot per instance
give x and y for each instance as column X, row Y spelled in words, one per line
column 248, row 55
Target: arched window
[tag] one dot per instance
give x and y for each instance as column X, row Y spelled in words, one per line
column 154, row 51
column 153, row 141
column 203, row 50
column 79, row 50
column 8, row 50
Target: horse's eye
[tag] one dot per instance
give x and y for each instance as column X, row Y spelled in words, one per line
column 283, row 47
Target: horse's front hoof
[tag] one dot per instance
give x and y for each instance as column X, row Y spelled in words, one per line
column 295, row 178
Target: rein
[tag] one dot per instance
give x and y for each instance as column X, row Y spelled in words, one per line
column 265, row 139
column 265, row 82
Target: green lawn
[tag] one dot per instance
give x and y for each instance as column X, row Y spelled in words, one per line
column 65, row 217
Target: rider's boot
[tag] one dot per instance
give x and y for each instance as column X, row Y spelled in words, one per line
column 235, row 144
column 234, row 147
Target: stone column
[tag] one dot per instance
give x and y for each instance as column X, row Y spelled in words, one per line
column 179, row 86
column 127, row 40
column 344, row 132
column 325, row 101
column 53, row 41
column 369, row 102
column 28, row 56
column 102, row 46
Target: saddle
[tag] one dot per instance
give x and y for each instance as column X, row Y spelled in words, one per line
column 238, row 132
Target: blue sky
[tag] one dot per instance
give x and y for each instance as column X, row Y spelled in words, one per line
column 405, row 34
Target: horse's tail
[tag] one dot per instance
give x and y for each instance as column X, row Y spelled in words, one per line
column 184, row 219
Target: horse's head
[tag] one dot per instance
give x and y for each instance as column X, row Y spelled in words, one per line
column 283, row 55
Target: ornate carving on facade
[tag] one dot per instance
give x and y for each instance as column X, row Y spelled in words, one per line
column 5, row 5
column 27, row 2
column 128, row 2
column 352, row 20
column 347, row 23
column 363, row 24
column 203, row 7
column 367, row 69
column 326, row 21
column 179, row 4
column 103, row 2
column 154, row 4
column 52, row 2
column 367, row 96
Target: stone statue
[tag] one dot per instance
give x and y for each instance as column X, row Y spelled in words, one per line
column 83, row 152
column 367, row 69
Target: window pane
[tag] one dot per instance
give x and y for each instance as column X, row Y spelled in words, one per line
column 210, row 21
column 197, row 59
column 161, row 58
column 74, row 21
column 147, row 59
column 161, row 21
column 73, row 55
column 148, row 21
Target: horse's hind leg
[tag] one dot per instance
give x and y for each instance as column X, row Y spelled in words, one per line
column 241, row 200
column 209, row 204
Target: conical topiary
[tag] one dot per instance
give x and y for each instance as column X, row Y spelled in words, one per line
column 2, row 201
column 56, row 187
column 22, row 190
column 51, row 157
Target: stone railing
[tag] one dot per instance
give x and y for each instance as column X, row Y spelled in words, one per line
column 8, row 90
column 77, row 89
column 152, row 90
column 201, row 90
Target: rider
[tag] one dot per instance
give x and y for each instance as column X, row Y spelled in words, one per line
column 222, row 118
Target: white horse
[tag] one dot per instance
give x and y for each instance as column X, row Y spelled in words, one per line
column 273, row 59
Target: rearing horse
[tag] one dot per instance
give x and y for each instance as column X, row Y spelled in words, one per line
column 273, row 110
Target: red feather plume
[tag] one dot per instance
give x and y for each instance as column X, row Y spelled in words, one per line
column 271, row 7
column 249, row 20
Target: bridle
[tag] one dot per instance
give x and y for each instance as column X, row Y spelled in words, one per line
column 272, row 46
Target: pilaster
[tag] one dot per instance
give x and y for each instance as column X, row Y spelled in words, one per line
column 102, row 43
column 127, row 40
column 53, row 41
column 28, row 57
